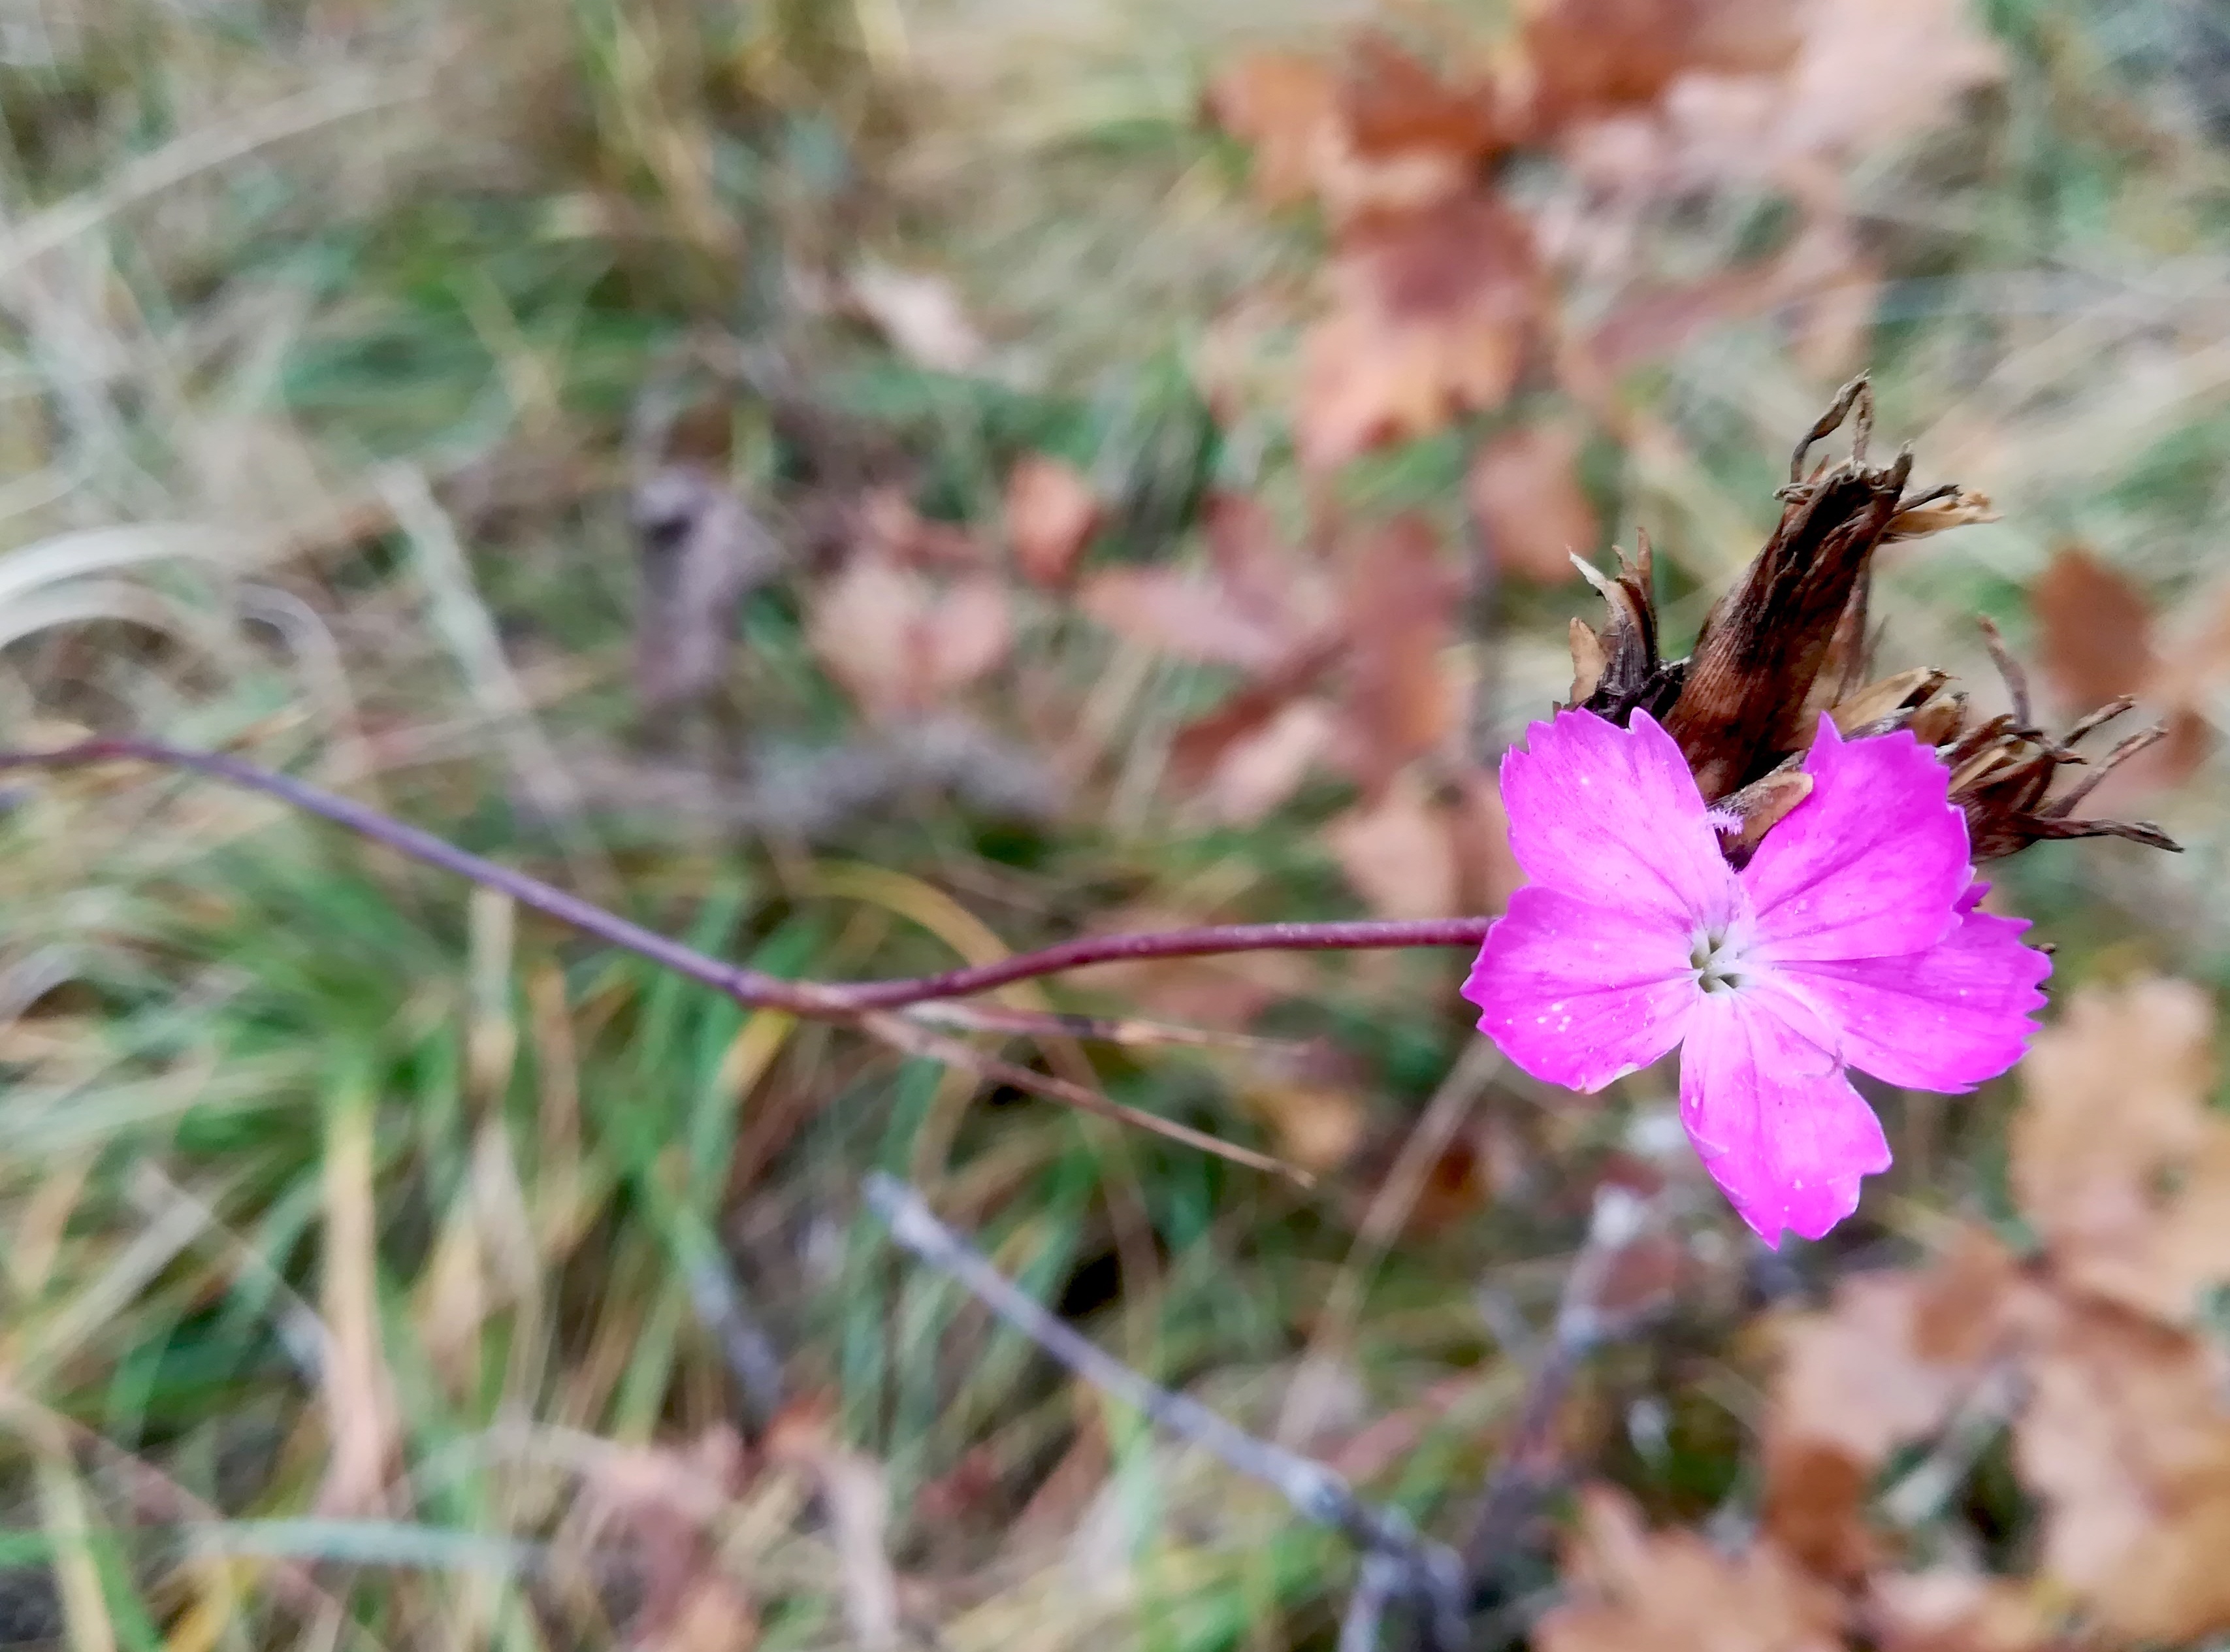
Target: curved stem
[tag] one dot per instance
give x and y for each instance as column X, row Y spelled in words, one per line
column 826, row 1000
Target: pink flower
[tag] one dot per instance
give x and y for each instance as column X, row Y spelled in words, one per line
column 1851, row 939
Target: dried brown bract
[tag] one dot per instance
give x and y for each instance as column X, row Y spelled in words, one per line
column 1618, row 673
column 1770, row 642
column 1790, row 640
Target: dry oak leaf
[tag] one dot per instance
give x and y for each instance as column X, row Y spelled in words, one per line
column 2095, row 640
column 1864, row 75
column 1052, row 514
column 1399, row 853
column 1825, row 288
column 1628, row 1588
column 1402, row 700
column 1487, row 871
column 899, row 644
column 1957, row 1612
column 1257, row 606
column 1316, row 1125
column 2126, row 1439
column 886, row 527
column 1872, row 73
column 1433, row 314
column 1256, row 769
column 1187, row 615
column 1591, row 56
column 1283, row 104
column 1263, row 607
column 1383, row 131
column 2115, row 1157
column 1886, row 1365
column 1523, row 491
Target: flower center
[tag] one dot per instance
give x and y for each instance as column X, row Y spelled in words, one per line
column 1718, row 960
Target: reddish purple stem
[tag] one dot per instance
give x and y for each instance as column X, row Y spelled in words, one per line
column 753, row 987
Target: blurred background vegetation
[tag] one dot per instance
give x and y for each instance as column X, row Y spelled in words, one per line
column 866, row 484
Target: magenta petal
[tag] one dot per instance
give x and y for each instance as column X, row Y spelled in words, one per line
column 1578, row 994
column 1612, row 816
column 1870, row 864
column 1776, row 1122
column 1944, row 1019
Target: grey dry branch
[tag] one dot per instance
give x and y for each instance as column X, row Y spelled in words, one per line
column 1428, row 1573
column 831, row 1001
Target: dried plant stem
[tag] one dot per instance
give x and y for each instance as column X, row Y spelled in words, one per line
column 1529, row 1468
column 1428, row 1574
column 826, row 1000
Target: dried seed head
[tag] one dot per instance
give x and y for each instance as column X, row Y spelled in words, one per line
column 1790, row 640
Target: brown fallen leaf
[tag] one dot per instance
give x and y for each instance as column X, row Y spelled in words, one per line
column 1885, row 1366
column 1256, row 770
column 1585, row 57
column 1408, row 136
column 1798, row 91
column 2117, row 1156
column 1870, row 75
column 2126, row 1439
column 1433, row 314
column 1486, row 871
column 1186, row 613
column 1652, row 321
column 1895, row 1350
column 1524, row 490
column 888, row 529
column 1051, row 516
column 899, row 643
column 1316, row 1126
column 1628, row 1588
column 1398, row 853
column 2096, row 642
column 1283, row 104
column 1945, row 1611
column 1401, row 701
column 1381, row 131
